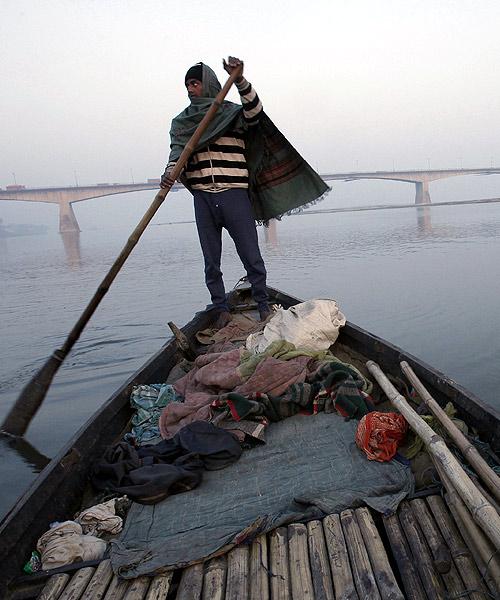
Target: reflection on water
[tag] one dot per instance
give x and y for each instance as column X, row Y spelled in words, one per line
column 71, row 241
column 424, row 224
column 271, row 233
column 26, row 451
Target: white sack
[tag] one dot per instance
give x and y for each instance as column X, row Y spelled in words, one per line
column 313, row 325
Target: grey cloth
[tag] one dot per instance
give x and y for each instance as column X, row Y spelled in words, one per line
column 309, row 467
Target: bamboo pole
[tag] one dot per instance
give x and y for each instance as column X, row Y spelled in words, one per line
column 429, row 576
column 482, row 511
column 279, row 573
column 343, row 582
column 468, row 450
column 440, row 552
column 384, row 576
column 480, row 544
column 404, row 560
column 320, row 565
column 33, row 394
column 362, row 571
column 475, row 479
column 461, row 553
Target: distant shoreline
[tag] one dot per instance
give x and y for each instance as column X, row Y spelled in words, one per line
column 20, row 229
column 389, row 206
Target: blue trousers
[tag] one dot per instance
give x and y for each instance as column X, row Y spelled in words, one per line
column 232, row 210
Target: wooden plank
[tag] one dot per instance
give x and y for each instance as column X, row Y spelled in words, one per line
column 402, row 555
column 343, row 581
column 137, row 588
column 116, row 588
column 386, row 582
column 160, row 584
column 480, row 540
column 453, row 584
column 99, row 583
column 459, row 552
column 465, row 530
column 320, row 565
column 214, row 579
column 440, row 552
column 259, row 568
column 421, row 555
column 191, row 583
column 77, row 585
column 364, row 580
column 298, row 556
column 54, row 587
column 237, row 573
column 279, row 567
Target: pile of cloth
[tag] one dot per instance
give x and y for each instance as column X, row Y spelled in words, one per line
column 302, row 467
column 151, row 473
column 250, row 377
column 68, row 542
column 218, row 378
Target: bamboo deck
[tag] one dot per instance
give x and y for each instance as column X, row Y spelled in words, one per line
column 417, row 554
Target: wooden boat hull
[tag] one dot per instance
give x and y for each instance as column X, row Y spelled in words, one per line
column 58, row 490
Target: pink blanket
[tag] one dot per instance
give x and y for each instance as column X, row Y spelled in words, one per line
column 218, row 373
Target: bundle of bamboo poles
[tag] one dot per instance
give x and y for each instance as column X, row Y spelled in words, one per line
column 474, row 510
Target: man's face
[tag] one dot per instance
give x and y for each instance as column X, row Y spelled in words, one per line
column 194, row 88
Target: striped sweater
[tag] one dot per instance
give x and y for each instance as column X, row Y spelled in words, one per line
column 222, row 164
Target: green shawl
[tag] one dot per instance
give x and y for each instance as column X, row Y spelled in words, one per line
column 280, row 180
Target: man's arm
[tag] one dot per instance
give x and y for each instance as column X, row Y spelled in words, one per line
column 252, row 106
column 166, row 179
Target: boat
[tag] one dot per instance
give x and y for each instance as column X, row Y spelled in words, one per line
column 57, row 494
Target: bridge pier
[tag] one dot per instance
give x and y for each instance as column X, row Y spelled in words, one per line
column 422, row 195
column 67, row 219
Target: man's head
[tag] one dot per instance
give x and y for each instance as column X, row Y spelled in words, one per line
column 201, row 82
column 194, row 81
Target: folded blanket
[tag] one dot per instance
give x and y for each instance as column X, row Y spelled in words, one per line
column 334, row 387
column 216, row 374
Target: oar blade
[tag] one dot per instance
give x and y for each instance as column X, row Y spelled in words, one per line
column 31, row 397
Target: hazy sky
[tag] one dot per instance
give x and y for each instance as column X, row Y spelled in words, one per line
column 90, row 86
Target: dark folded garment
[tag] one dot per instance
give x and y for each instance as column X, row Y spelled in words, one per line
column 215, row 447
column 151, row 473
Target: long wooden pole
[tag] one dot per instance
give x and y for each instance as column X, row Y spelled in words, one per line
column 33, row 394
column 483, row 513
column 469, row 451
column 478, row 541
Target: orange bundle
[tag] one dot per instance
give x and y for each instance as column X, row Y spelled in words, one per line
column 378, row 434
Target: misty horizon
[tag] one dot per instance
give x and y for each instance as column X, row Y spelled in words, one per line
column 89, row 89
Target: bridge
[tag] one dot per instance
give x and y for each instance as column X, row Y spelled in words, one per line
column 421, row 179
column 66, row 196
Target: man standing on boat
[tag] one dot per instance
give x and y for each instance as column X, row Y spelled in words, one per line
column 217, row 176
column 242, row 170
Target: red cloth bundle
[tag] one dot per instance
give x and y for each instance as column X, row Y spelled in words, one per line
column 378, row 434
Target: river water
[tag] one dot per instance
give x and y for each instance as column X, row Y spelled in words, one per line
column 425, row 279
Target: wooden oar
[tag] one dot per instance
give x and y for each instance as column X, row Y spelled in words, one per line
column 32, row 395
